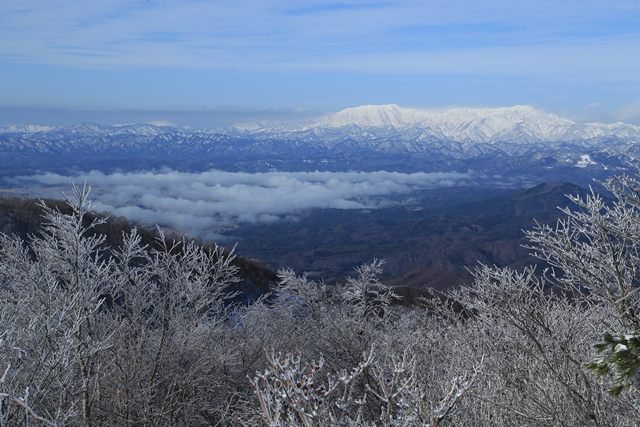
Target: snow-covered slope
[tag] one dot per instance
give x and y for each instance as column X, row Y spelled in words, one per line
column 517, row 123
column 371, row 116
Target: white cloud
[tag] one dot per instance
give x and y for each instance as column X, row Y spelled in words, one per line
column 204, row 203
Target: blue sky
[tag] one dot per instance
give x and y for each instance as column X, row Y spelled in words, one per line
column 204, row 62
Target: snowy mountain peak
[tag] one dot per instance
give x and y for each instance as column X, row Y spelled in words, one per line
column 392, row 115
column 460, row 123
column 371, row 116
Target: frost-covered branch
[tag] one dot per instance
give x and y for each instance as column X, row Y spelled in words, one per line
column 291, row 393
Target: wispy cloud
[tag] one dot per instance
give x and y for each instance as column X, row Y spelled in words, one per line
column 335, row 7
column 282, row 34
column 203, row 204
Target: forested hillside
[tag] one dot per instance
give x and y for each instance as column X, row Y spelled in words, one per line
column 24, row 217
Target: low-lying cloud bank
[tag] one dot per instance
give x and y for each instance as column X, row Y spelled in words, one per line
column 203, row 204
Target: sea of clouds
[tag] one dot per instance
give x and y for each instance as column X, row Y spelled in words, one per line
column 205, row 203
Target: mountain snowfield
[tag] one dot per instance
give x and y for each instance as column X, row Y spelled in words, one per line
column 516, row 123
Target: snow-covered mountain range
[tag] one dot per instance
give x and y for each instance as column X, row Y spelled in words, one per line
column 476, row 124
column 466, row 125
column 492, row 120
column 365, row 137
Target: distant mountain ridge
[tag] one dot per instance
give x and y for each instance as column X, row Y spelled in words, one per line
column 502, row 140
column 477, row 124
column 461, row 124
column 455, row 123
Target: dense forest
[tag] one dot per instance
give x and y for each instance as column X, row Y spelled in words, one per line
column 116, row 326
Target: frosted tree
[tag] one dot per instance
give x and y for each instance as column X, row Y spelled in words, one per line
column 403, row 397
column 291, row 393
column 56, row 286
column 174, row 314
column 595, row 253
column 299, row 294
column 94, row 333
column 365, row 293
